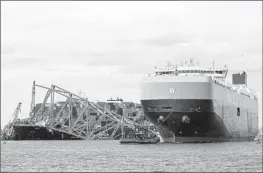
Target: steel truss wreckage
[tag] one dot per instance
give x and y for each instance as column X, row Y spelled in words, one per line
column 8, row 130
column 74, row 116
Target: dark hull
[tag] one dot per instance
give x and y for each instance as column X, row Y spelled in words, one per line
column 26, row 132
column 39, row 133
column 203, row 124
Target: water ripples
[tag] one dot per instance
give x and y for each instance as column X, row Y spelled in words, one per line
column 101, row 156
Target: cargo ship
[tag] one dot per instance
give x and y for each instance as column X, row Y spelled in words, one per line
column 35, row 132
column 188, row 103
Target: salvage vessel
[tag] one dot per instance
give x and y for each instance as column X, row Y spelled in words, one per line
column 188, row 103
column 141, row 135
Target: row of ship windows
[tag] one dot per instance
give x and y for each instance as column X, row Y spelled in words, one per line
column 169, row 109
column 165, row 109
column 190, row 71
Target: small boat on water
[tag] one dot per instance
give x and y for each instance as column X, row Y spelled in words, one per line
column 141, row 136
column 140, row 141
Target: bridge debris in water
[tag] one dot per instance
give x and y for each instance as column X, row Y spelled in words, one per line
column 75, row 118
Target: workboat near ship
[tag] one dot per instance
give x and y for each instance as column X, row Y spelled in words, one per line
column 142, row 135
column 188, row 103
column 139, row 141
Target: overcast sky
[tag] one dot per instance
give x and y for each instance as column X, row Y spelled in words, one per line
column 105, row 48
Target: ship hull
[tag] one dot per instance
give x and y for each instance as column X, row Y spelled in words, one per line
column 28, row 132
column 31, row 132
column 195, row 109
column 202, row 125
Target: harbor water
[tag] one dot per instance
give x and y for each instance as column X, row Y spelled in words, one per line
column 100, row 156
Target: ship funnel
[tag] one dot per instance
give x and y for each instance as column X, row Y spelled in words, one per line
column 239, row 78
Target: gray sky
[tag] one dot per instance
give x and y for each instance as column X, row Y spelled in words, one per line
column 105, row 48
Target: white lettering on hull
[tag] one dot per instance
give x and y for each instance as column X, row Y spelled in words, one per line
column 172, row 90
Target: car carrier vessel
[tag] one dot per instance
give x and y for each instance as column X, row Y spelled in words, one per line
column 188, row 103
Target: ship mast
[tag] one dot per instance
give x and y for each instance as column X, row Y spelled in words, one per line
column 213, row 64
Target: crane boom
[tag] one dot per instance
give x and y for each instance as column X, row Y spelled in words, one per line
column 15, row 115
column 32, row 107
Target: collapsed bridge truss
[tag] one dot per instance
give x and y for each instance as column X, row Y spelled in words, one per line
column 73, row 116
column 8, row 130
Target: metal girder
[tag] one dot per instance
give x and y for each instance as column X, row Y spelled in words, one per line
column 102, row 128
column 40, row 111
column 62, row 108
column 115, row 130
column 79, row 126
column 32, row 107
column 93, row 137
column 8, row 129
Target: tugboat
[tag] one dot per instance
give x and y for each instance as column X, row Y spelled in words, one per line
column 140, row 136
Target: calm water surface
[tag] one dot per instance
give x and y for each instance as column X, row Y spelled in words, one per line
column 111, row 156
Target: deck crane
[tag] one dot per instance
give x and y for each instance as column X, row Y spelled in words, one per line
column 8, row 130
column 32, row 107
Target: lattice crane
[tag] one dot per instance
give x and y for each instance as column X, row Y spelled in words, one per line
column 8, row 130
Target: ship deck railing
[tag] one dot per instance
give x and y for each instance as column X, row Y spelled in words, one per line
column 232, row 88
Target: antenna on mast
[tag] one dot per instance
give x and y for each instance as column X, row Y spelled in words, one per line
column 182, row 63
column 197, row 63
column 213, row 63
column 242, row 65
column 168, row 64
